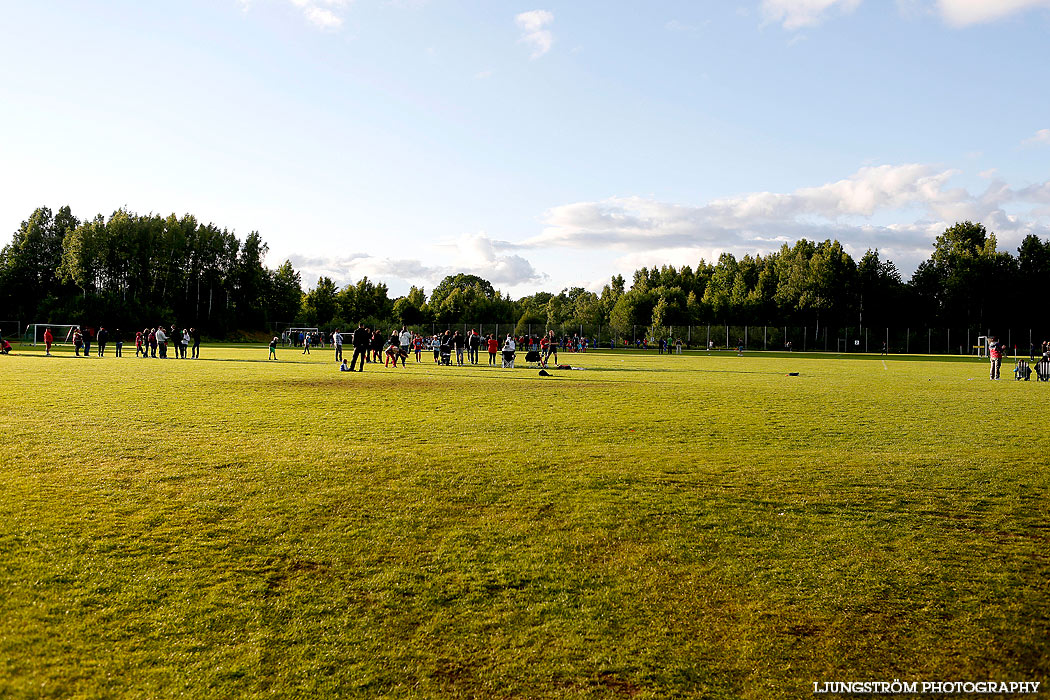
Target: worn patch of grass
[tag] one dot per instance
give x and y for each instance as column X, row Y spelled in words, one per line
column 654, row 526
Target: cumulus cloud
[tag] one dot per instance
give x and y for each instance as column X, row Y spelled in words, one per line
column 475, row 254
column 534, row 32
column 323, row 14
column 761, row 222
column 797, row 14
column 1041, row 138
column 961, row 13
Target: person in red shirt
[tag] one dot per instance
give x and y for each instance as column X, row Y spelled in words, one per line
column 493, row 346
column 48, row 339
column 548, row 347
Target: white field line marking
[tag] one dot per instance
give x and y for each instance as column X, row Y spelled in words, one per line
column 884, row 365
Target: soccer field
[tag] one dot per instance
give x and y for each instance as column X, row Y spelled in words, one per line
column 652, row 526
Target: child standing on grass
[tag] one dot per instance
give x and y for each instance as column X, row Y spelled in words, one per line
column 48, row 339
column 273, row 349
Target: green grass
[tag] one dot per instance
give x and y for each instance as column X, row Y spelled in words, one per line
column 654, row 526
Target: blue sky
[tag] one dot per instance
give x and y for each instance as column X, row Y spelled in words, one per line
column 540, row 145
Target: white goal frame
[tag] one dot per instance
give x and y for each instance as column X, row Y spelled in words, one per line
column 305, row 329
column 38, row 333
column 982, row 346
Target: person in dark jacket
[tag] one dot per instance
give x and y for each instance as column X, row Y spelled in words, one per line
column 473, row 343
column 362, row 341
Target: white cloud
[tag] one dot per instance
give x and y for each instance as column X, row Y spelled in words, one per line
column 796, row 14
column 676, row 25
column 475, row 254
column 761, row 222
column 1041, row 138
column 532, row 24
column 961, row 13
column 323, row 14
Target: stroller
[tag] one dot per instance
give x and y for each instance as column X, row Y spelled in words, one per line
column 446, row 354
column 533, row 358
column 1022, row 372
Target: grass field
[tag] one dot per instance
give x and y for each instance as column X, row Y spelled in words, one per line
column 653, row 526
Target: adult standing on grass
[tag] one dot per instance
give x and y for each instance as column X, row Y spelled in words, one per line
column 473, row 344
column 377, row 347
column 48, row 339
column 337, row 342
column 362, row 340
column 103, row 337
column 195, row 335
column 552, row 348
column 118, row 344
column 458, row 342
column 184, row 346
column 995, row 354
column 493, row 345
column 78, row 341
column 86, row 335
column 406, row 339
column 162, row 342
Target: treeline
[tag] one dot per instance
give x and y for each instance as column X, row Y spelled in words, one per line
column 129, row 270
column 132, row 270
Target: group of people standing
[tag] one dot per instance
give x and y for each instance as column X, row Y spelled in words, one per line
column 154, row 342
column 149, row 342
column 373, row 346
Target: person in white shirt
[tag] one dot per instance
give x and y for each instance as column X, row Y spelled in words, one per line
column 162, row 341
column 406, row 338
column 508, row 352
column 337, row 341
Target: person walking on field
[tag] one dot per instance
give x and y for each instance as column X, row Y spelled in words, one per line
column 362, row 339
column 48, row 339
column 273, row 349
column 995, row 354
column 337, row 341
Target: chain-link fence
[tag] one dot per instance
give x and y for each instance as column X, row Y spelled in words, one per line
column 722, row 337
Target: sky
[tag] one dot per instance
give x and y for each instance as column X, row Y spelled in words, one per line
column 541, row 145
